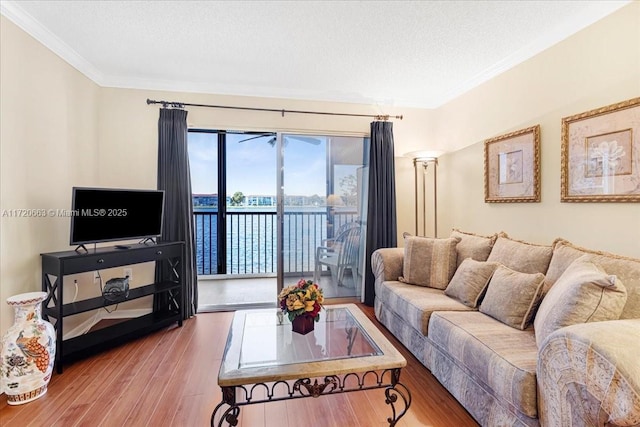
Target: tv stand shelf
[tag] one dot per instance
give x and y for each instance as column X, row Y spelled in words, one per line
column 56, row 265
column 105, row 338
column 99, row 302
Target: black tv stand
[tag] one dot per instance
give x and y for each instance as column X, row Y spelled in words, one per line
column 56, row 265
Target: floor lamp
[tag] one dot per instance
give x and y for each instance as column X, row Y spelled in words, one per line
column 421, row 161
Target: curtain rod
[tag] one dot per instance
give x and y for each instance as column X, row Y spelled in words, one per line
column 173, row 104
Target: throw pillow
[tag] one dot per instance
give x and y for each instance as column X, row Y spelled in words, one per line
column 473, row 245
column 512, row 297
column 521, row 256
column 626, row 269
column 584, row 293
column 428, row 262
column 470, row 281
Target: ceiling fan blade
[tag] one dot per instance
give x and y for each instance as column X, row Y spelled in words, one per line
column 255, row 137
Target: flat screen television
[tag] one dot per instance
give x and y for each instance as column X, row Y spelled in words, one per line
column 111, row 214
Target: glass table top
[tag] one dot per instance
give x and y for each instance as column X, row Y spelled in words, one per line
column 266, row 341
column 261, row 346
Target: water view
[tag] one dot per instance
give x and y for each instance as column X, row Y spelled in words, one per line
column 251, row 238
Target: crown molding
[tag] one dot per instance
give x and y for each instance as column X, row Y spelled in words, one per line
column 11, row 10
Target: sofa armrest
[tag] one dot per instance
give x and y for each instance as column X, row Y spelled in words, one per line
column 386, row 263
column 589, row 374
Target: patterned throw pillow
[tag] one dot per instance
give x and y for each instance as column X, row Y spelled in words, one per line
column 470, row 281
column 428, row 261
column 473, row 246
column 512, row 297
column 584, row 293
column 521, row 256
column 626, row 269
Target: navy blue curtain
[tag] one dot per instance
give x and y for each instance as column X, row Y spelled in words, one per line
column 175, row 179
column 381, row 213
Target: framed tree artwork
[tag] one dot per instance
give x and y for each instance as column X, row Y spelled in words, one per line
column 601, row 154
column 512, row 167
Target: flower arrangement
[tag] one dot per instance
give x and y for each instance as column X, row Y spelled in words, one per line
column 304, row 298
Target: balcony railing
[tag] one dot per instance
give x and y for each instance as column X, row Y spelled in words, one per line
column 251, row 240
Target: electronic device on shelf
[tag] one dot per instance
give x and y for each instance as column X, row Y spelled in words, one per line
column 111, row 214
column 116, row 289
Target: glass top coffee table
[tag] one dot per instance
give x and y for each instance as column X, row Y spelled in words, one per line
column 265, row 361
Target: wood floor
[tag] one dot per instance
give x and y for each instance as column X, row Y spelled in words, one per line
column 169, row 379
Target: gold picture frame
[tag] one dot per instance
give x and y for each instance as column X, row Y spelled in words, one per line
column 512, row 167
column 601, row 154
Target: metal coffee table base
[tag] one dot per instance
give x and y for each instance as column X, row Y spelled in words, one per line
column 233, row 397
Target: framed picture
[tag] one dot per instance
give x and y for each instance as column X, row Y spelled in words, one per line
column 601, row 154
column 512, row 167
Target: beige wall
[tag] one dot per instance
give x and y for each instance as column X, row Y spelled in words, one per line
column 596, row 67
column 48, row 135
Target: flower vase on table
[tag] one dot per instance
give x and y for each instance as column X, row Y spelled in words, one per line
column 303, row 324
column 302, row 304
column 28, row 350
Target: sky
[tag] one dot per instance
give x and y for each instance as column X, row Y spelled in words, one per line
column 252, row 165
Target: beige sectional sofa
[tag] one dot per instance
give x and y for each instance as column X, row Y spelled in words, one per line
column 520, row 334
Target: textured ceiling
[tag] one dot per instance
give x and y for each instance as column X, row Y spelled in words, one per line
column 414, row 54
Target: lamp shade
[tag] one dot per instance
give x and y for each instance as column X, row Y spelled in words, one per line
column 424, row 155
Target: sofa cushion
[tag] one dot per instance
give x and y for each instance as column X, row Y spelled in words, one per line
column 416, row 303
column 470, row 281
column 512, row 297
column 521, row 256
column 472, row 245
column 429, row 262
column 494, row 354
column 584, row 293
column 624, row 268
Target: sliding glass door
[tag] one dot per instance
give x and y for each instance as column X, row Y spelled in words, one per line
column 289, row 206
column 322, row 206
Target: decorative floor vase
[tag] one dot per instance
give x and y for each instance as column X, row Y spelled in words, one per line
column 28, row 350
column 303, row 324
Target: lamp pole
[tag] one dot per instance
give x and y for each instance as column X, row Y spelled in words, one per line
column 424, row 158
column 415, row 179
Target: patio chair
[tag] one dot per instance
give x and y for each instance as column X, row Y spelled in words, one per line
column 340, row 255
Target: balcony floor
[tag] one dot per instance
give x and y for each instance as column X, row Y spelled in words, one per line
column 243, row 293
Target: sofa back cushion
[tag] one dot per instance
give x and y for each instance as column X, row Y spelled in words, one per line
column 470, row 281
column 474, row 246
column 626, row 269
column 429, row 262
column 585, row 292
column 512, row 297
column 521, row 256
